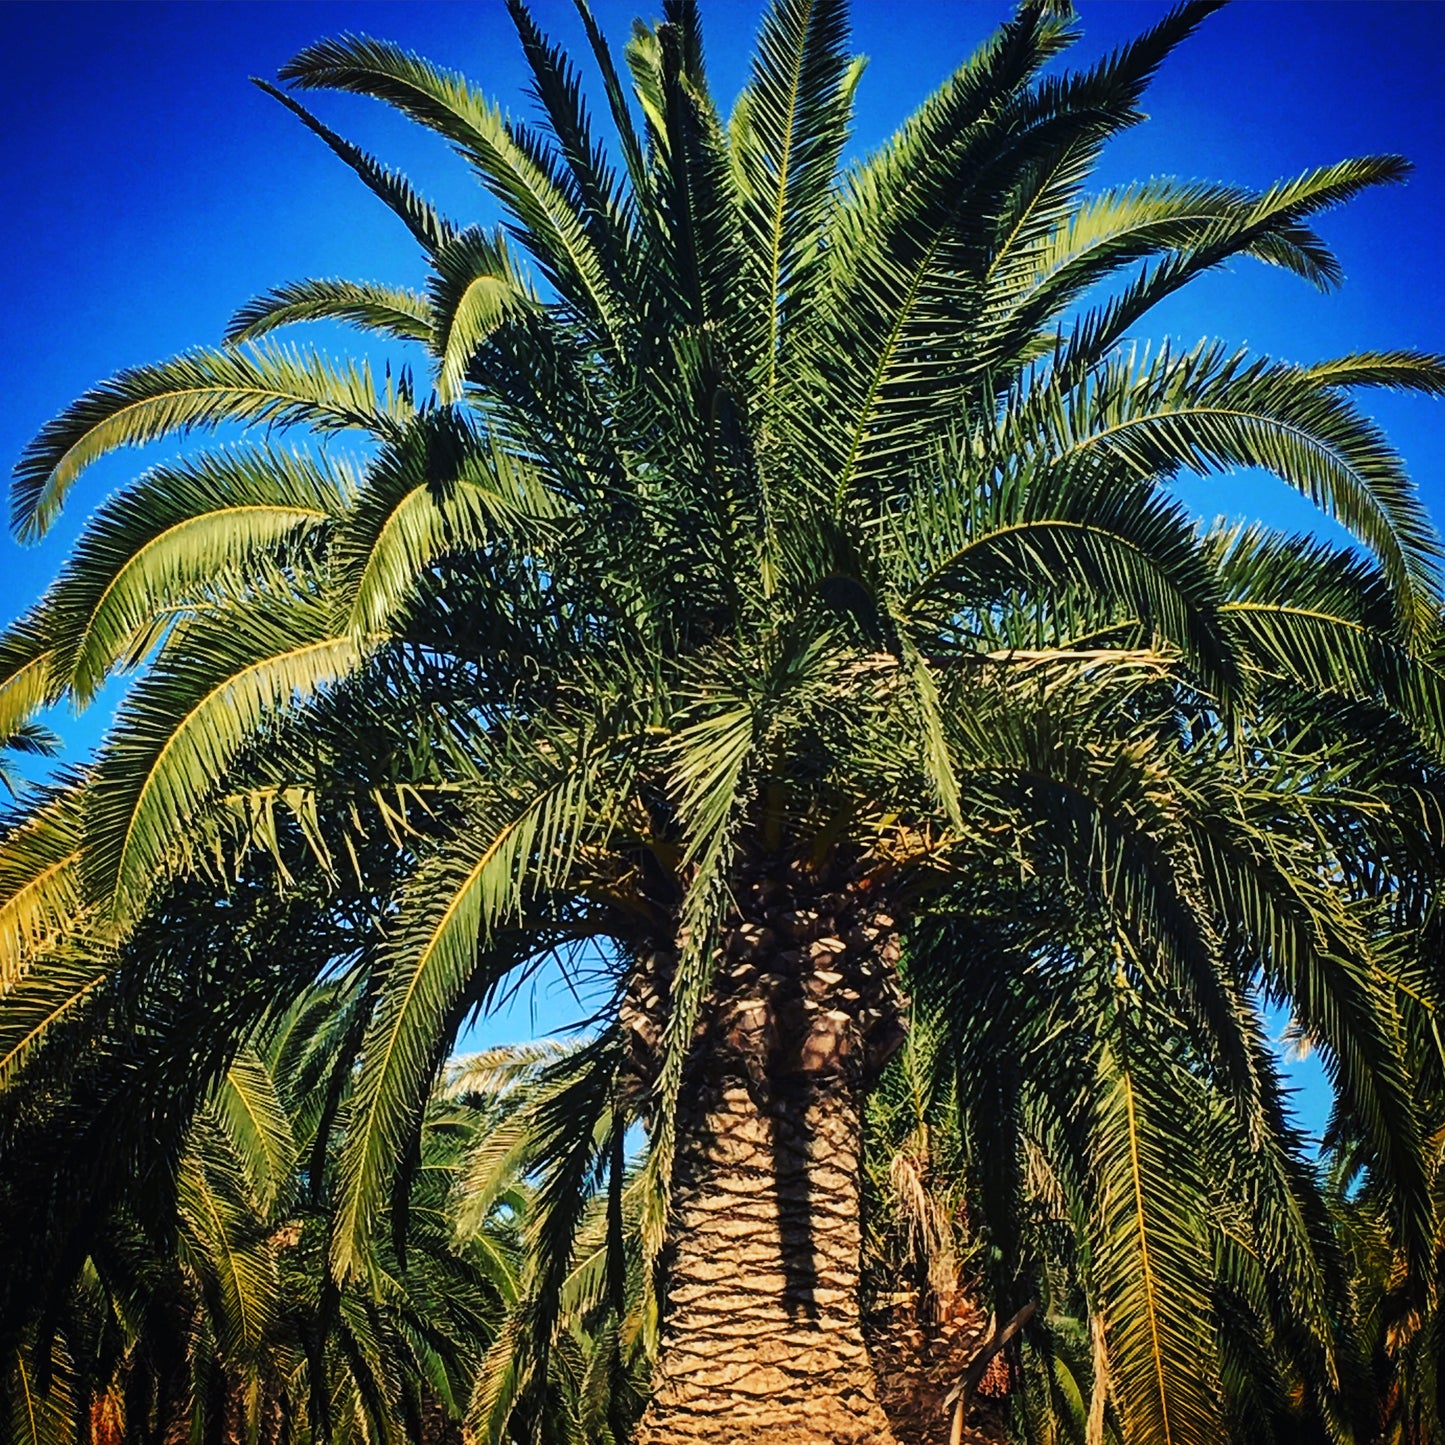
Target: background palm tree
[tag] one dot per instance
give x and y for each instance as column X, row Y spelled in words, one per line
column 779, row 555
column 218, row 1321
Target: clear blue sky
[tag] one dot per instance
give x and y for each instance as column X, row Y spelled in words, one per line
column 147, row 190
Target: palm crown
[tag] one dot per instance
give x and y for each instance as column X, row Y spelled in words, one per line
column 781, row 559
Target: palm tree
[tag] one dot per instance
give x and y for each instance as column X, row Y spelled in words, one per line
column 1049, row 1224
column 1395, row 1297
column 779, row 551
column 218, row 1323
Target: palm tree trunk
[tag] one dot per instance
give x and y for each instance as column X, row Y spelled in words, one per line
column 762, row 1340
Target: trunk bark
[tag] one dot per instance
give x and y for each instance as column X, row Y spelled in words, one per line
column 762, row 1338
column 920, row 1353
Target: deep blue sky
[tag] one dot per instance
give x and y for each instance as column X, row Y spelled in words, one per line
column 147, row 190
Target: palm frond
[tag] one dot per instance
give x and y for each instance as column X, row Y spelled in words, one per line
column 439, row 490
column 50, row 996
column 42, row 894
column 428, row 226
column 1279, row 210
column 175, row 543
column 549, row 222
column 220, row 680
column 476, row 290
column 787, row 132
column 1151, row 1267
column 384, row 310
column 249, row 1111
column 451, row 944
column 258, row 386
column 1208, row 409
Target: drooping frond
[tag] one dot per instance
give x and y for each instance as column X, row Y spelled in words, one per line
column 549, row 222
column 42, row 1395
column 1086, row 243
column 1020, row 532
column 258, row 386
column 249, row 1111
column 1280, row 209
column 1395, row 370
column 27, row 671
column 431, row 229
column 1209, row 410
column 1151, row 1264
column 179, row 541
column 385, row 310
column 451, row 943
column 1326, row 619
column 238, row 1265
column 476, row 290
column 51, row 995
column 1310, row 951
column 218, row 682
column 437, row 491
column 42, row 895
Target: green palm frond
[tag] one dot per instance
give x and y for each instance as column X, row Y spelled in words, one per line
column 928, row 283
column 477, row 290
column 42, row 1401
column 219, row 681
column 1151, row 1266
column 1118, row 542
column 438, row 491
column 1279, row 209
column 239, row 1268
column 27, row 672
column 1307, row 954
column 52, row 995
column 454, row 941
column 572, row 1123
column 431, row 230
column 277, row 387
column 42, row 893
column 385, row 310
column 1397, row 370
column 250, row 1113
column 551, row 224
column 1325, row 618
column 175, row 543
column 607, row 210
column 1091, row 241
column 1208, row 410
column 787, row 132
